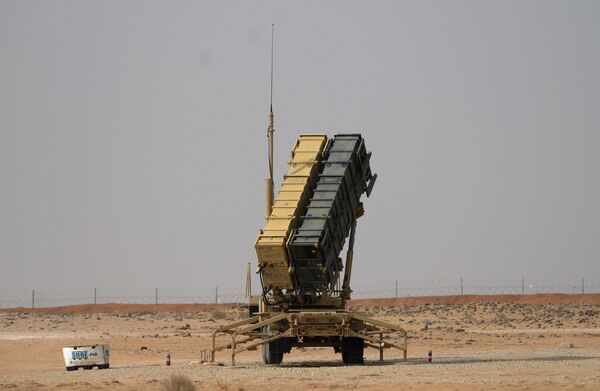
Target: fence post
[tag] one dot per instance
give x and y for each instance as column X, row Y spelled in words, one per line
column 523, row 286
column 217, row 295
column 94, row 296
column 32, row 298
column 582, row 286
column 156, row 296
column 396, row 288
column 461, row 286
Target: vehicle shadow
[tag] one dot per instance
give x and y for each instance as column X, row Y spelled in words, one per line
column 436, row 361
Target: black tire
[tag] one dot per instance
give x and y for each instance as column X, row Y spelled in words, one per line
column 71, row 369
column 104, row 366
column 88, row 367
column 252, row 310
column 272, row 353
column 352, row 350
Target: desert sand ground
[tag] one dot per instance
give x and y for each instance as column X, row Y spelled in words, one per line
column 541, row 342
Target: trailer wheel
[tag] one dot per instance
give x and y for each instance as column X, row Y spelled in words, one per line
column 104, row 366
column 352, row 350
column 71, row 369
column 272, row 353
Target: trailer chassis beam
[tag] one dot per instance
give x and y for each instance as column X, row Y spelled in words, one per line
column 300, row 325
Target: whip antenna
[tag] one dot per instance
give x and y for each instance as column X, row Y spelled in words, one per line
column 272, row 39
column 270, row 131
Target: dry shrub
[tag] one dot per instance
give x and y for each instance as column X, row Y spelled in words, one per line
column 218, row 314
column 224, row 387
column 502, row 318
column 178, row 383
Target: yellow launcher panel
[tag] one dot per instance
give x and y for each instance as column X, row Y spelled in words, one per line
column 291, row 202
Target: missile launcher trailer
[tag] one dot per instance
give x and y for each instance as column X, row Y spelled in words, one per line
column 305, row 283
column 303, row 299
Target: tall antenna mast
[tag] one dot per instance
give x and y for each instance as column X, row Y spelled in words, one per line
column 270, row 131
column 272, row 40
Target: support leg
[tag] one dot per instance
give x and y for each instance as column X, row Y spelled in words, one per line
column 233, row 350
column 213, row 347
column 381, row 344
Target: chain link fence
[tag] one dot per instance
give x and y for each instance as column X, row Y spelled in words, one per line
column 475, row 286
column 384, row 289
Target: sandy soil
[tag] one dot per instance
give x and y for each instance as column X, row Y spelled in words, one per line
column 536, row 342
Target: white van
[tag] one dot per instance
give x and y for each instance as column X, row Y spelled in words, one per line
column 86, row 357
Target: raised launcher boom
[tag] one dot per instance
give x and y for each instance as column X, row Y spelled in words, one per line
column 331, row 213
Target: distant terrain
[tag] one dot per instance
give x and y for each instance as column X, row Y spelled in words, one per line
column 505, row 342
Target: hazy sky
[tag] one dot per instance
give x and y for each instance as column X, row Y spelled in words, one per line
column 133, row 135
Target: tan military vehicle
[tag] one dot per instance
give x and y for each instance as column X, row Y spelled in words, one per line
column 305, row 283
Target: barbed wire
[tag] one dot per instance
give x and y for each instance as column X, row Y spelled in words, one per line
column 382, row 289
